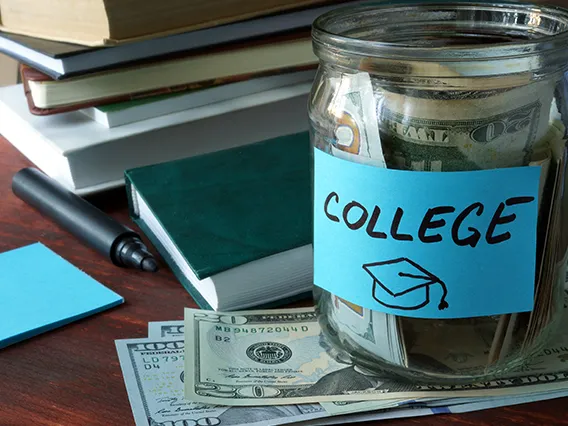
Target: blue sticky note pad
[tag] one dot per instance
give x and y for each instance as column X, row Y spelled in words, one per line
column 41, row 291
column 426, row 244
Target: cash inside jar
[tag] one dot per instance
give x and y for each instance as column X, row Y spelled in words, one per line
column 453, row 88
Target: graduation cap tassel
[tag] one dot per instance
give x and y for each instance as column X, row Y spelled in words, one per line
column 443, row 304
column 403, row 284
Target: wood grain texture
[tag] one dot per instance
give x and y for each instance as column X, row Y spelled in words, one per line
column 71, row 376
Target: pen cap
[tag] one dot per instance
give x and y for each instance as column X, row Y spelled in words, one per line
column 70, row 211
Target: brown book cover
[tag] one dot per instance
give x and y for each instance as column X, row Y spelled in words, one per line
column 30, row 74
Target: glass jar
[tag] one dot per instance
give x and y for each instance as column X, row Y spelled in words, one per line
column 438, row 89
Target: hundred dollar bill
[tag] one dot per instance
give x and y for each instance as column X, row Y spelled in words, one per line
column 279, row 357
column 154, row 375
column 165, row 329
column 463, row 130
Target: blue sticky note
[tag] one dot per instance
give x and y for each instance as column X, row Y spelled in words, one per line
column 40, row 291
column 426, row 244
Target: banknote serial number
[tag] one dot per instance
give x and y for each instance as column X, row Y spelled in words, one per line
column 260, row 330
column 164, row 359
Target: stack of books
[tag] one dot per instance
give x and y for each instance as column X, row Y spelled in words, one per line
column 199, row 107
column 109, row 86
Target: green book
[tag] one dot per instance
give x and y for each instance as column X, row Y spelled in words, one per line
column 234, row 226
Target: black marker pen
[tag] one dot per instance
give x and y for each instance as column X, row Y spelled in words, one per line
column 117, row 242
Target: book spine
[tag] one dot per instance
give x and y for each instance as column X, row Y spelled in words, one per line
column 134, row 215
column 133, row 209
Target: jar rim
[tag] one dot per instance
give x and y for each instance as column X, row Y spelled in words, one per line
column 324, row 38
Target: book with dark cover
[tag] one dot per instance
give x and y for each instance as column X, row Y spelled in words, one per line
column 53, row 49
column 228, row 209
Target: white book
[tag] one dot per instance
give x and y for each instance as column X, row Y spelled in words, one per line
column 87, row 157
column 115, row 115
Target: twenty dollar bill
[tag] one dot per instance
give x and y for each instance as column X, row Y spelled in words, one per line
column 279, row 357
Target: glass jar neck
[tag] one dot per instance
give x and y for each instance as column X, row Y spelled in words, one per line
column 507, row 43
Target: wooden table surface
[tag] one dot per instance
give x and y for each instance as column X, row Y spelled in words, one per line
column 71, row 376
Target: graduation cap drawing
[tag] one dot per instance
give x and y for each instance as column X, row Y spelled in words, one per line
column 403, row 284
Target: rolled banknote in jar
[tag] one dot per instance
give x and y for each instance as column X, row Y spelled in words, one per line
column 435, row 88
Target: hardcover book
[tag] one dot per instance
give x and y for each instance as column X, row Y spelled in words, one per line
column 234, row 226
column 87, row 157
column 278, row 55
column 109, row 22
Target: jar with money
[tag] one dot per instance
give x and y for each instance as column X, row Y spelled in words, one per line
column 440, row 231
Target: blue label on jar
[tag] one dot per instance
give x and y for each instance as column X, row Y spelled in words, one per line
column 426, row 244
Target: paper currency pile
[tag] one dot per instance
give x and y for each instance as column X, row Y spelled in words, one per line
column 274, row 367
